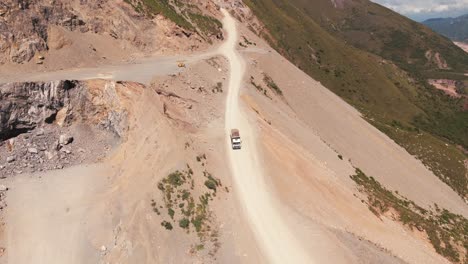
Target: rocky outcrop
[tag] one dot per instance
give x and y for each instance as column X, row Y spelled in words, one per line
column 25, row 27
column 52, row 125
column 24, row 24
column 25, row 106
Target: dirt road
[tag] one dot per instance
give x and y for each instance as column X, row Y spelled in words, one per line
column 142, row 71
column 273, row 236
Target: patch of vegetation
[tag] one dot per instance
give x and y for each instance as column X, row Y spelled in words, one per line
column 211, row 185
column 175, row 179
column 199, row 247
column 189, row 212
column 183, row 14
column 155, row 207
column 162, row 7
column 201, row 157
column 271, row 84
column 184, row 223
column 446, row 231
column 259, row 87
column 209, row 26
column 167, row 225
column 248, row 42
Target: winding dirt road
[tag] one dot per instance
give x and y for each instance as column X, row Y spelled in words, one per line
column 277, row 242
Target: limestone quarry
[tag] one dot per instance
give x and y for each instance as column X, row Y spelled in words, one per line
column 115, row 147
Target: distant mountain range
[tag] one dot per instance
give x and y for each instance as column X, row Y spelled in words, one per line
column 453, row 28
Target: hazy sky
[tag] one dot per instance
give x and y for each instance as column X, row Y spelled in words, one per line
column 424, row 9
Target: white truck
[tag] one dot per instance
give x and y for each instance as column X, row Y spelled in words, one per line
column 236, row 141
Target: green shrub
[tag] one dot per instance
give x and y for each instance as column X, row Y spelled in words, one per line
column 184, row 223
column 210, row 184
column 171, row 212
column 167, row 225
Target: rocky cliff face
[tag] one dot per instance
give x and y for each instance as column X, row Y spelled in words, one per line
column 24, row 25
column 25, row 106
column 29, row 28
column 52, row 125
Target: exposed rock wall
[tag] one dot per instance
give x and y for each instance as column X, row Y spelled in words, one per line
column 24, row 24
column 52, row 125
column 25, row 106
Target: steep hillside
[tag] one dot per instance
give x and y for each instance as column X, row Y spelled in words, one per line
column 389, row 91
column 453, row 28
column 379, row 30
column 38, row 35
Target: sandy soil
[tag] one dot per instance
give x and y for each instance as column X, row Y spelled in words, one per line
column 51, row 216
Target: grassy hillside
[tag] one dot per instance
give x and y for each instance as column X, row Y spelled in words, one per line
column 453, row 28
column 379, row 30
column 392, row 93
column 182, row 13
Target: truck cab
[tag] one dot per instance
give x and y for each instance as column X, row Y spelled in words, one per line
column 236, row 141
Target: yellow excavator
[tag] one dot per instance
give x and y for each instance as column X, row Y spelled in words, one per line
column 181, row 64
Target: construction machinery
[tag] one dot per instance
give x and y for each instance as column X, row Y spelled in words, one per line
column 236, row 141
column 181, row 64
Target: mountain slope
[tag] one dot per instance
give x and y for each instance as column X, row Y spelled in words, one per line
column 390, row 91
column 379, row 30
column 453, row 28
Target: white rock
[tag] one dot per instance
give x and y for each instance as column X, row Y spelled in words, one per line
column 49, row 155
column 65, row 139
column 11, row 159
column 32, row 150
column 3, row 188
column 66, row 150
column 103, row 248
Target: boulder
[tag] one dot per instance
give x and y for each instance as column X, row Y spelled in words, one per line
column 66, row 150
column 65, row 139
column 57, row 38
column 49, row 155
column 33, row 150
column 26, row 51
column 11, row 159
